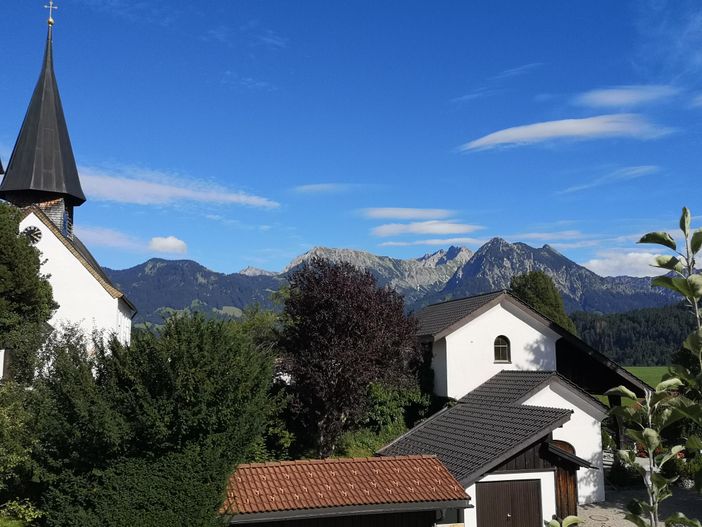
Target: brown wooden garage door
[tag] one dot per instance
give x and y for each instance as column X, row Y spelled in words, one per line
column 509, row 503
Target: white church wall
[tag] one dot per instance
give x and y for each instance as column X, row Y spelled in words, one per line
column 582, row 431
column 82, row 299
column 470, row 359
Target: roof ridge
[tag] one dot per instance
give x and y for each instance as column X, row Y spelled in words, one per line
column 497, row 291
column 335, row 461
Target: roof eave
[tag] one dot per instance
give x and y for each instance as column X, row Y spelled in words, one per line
column 332, row 512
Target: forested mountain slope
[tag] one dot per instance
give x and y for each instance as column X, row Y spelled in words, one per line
column 643, row 337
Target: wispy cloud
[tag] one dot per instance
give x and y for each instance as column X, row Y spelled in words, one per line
column 437, row 242
column 495, row 83
column 152, row 12
column 152, row 187
column 272, row 39
column 517, row 71
column 230, row 78
column 323, row 188
column 620, row 175
column 477, row 93
column 168, row 244
column 618, row 263
column 404, row 213
column 105, row 237
column 111, row 238
column 671, row 36
column 546, row 236
column 424, row 227
column 603, row 126
column 697, row 101
column 626, row 96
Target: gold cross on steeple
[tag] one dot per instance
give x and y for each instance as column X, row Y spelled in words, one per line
column 51, row 7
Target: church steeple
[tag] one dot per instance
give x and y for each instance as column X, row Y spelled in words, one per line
column 42, row 170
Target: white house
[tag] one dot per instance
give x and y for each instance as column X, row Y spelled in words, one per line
column 525, row 435
column 42, row 180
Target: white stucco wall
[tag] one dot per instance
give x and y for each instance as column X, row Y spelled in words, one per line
column 82, row 299
column 547, row 480
column 583, row 431
column 469, row 351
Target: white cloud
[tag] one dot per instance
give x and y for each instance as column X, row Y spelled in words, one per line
column 104, row 237
column 322, row 188
column 442, row 242
column 697, row 101
column 168, row 244
column 151, row 187
column 622, row 174
column 626, row 96
column 404, row 213
column 618, row 263
column 424, row 227
column 614, row 125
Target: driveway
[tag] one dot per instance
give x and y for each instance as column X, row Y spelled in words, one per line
column 610, row 513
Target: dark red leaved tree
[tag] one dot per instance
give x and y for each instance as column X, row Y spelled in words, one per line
column 341, row 333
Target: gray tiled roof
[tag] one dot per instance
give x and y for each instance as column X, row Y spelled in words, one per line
column 470, row 438
column 436, row 317
column 509, row 386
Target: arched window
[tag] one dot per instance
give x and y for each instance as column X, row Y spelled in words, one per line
column 502, row 349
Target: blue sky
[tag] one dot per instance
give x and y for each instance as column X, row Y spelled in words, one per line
column 245, row 132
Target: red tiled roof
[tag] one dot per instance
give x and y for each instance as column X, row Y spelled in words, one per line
column 316, row 484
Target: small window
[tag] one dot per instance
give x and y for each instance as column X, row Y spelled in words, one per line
column 502, row 349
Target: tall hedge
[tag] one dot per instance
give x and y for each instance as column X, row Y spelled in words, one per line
column 147, row 435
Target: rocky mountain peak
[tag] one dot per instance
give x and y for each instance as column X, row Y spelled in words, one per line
column 255, row 271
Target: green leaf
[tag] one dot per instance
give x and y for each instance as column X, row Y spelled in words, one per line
column 696, row 241
column 572, row 520
column 652, row 439
column 679, row 518
column 660, row 238
column 622, row 391
column 668, row 384
column 635, row 519
column 668, row 262
column 679, row 285
column 694, row 443
column 695, row 283
column 685, row 221
column 693, row 342
column 552, row 523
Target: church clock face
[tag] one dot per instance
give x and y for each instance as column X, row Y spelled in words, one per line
column 32, row 233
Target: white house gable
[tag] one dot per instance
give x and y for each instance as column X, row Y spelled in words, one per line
column 83, row 299
column 465, row 358
column 582, row 431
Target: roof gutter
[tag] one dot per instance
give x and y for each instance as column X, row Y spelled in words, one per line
column 335, row 512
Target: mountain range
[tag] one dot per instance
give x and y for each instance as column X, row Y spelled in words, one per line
column 159, row 287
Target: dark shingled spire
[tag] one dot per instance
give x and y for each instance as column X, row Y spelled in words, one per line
column 42, row 166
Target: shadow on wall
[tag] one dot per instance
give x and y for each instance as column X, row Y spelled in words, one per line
column 592, row 479
column 539, row 355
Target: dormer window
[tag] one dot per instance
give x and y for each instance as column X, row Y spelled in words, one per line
column 503, row 352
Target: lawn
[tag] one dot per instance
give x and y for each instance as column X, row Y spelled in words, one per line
column 649, row 374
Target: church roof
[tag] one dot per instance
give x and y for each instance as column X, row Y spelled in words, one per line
column 42, row 160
